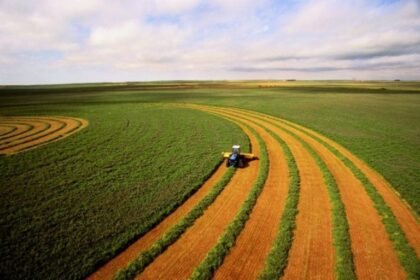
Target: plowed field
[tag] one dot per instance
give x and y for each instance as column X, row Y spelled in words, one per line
column 384, row 244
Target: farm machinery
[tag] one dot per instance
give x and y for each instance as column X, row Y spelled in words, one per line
column 235, row 158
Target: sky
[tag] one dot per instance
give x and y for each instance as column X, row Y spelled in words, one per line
column 51, row 41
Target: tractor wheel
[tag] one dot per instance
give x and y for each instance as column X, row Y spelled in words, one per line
column 227, row 163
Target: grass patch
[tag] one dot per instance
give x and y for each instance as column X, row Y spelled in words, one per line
column 145, row 258
column 217, row 254
column 405, row 252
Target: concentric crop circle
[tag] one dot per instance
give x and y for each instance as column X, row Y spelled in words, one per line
column 18, row 134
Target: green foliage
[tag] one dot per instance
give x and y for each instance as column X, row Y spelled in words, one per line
column 145, row 258
column 406, row 253
column 277, row 258
column 69, row 206
column 344, row 266
column 217, row 254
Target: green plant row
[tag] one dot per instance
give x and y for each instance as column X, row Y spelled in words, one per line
column 145, row 258
column 217, row 254
column 406, row 253
column 344, row 267
column 277, row 258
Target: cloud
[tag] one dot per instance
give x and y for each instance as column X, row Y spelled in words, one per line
column 87, row 39
column 174, row 6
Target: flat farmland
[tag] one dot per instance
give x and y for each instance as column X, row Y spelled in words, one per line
column 141, row 192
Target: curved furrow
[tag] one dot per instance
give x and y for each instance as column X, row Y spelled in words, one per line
column 312, row 252
column 19, row 129
column 374, row 255
column 6, row 129
column 108, row 270
column 44, row 130
column 247, row 257
column 180, row 259
column 23, row 130
column 26, row 141
column 406, row 218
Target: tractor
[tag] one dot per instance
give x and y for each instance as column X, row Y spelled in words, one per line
column 236, row 158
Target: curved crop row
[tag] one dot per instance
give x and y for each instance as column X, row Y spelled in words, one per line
column 18, row 129
column 37, row 126
column 405, row 252
column 37, row 134
column 40, row 131
column 277, row 259
column 145, row 258
column 344, row 266
column 216, row 255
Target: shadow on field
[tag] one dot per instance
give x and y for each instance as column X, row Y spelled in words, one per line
column 246, row 162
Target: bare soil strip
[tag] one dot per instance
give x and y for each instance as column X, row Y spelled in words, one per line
column 180, row 259
column 15, row 129
column 109, row 269
column 312, row 252
column 42, row 130
column 374, row 256
column 246, row 260
column 6, row 129
column 21, row 130
column 405, row 217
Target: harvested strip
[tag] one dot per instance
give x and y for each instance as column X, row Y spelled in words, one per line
column 24, row 130
column 407, row 255
column 19, row 127
column 406, row 218
column 45, row 130
column 146, row 257
column 179, row 260
column 374, row 256
column 247, row 257
column 277, row 258
column 217, row 254
column 109, row 269
column 312, row 252
column 40, row 129
column 38, row 132
column 344, row 266
column 6, row 129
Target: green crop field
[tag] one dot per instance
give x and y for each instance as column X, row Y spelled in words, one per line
column 82, row 200
column 70, row 206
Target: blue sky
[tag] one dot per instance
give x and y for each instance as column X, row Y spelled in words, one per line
column 49, row 41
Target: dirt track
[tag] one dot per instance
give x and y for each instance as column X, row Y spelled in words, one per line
column 312, row 254
column 24, row 133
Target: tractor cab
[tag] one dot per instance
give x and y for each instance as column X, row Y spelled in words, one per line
column 235, row 158
column 236, row 149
